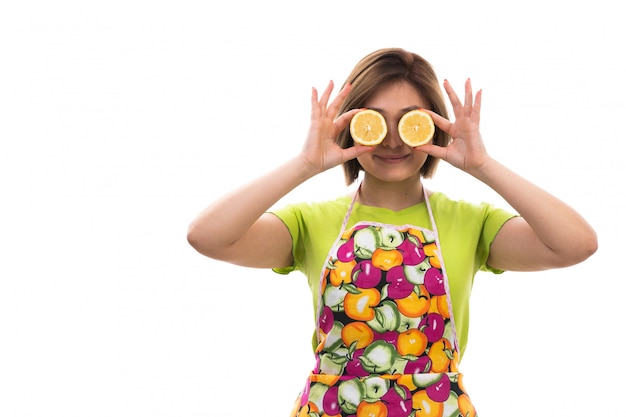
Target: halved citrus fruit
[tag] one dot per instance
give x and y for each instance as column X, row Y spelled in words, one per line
column 416, row 128
column 368, row 127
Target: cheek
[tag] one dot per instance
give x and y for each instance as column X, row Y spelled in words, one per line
column 364, row 159
column 421, row 156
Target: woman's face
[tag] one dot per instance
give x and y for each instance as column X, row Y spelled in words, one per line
column 393, row 160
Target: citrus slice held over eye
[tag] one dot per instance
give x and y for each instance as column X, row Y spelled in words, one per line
column 416, row 128
column 368, row 127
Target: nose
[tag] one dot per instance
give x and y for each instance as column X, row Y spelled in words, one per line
column 392, row 139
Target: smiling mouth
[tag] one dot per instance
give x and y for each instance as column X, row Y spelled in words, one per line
column 393, row 158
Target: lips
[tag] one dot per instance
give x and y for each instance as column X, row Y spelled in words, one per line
column 392, row 159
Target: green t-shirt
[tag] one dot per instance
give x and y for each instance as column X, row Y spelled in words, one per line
column 466, row 231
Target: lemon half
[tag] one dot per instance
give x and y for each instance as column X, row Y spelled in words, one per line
column 416, row 128
column 368, row 127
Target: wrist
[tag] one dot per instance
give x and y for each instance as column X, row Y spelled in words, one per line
column 485, row 170
column 305, row 167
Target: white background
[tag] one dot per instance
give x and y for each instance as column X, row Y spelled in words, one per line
column 121, row 120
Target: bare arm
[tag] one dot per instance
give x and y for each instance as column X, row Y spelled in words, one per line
column 237, row 229
column 549, row 233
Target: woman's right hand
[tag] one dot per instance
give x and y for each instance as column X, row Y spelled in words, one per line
column 321, row 151
column 237, row 228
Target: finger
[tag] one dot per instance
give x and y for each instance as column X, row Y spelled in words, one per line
column 468, row 97
column 477, row 104
column 314, row 102
column 355, row 151
column 454, row 99
column 343, row 120
column 433, row 150
column 326, row 95
column 333, row 108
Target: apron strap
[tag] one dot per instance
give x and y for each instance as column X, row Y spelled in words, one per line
column 349, row 212
column 347, row 216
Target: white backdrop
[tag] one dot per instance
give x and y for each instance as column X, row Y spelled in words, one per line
column 121, row 120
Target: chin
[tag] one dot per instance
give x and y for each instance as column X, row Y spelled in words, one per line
column 391, row 177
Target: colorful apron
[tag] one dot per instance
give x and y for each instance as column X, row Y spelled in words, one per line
column 387, row 341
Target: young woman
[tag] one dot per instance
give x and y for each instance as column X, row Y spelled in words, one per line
column 391, row 266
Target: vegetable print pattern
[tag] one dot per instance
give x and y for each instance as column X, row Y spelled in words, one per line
column 387, row 346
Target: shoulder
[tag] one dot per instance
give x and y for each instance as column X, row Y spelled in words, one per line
column 443, row 203
column 312, row 211
column 314, row 207
column 465, row 213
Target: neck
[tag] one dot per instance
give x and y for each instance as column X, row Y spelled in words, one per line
column 394, row 196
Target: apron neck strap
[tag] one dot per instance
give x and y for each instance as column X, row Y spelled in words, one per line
column 356, row 194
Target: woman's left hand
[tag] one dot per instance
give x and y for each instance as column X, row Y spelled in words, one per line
column 466, row 151
column 543, row 236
